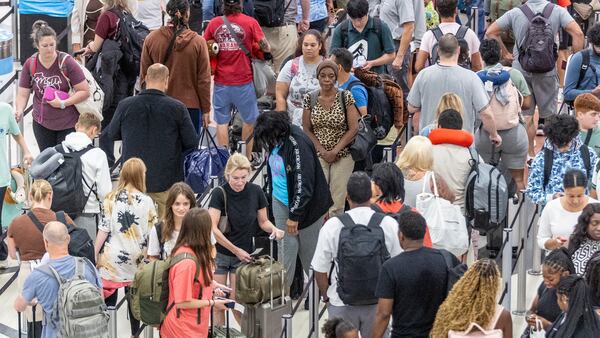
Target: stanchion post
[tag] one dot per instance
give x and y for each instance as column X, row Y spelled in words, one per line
column 149, row 332
column 475, row 19
column 521, row 266
column 287, row 325
column 241, row 147
column 387, row 154
column 313, row 299
column 214, row 181
column 112, row 321
column 507, row 266
column 536, row 267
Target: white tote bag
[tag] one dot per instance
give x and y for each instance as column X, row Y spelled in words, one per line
column 446, row 223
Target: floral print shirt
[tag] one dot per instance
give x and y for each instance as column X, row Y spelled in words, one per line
column 562, row 162
column 128, row 218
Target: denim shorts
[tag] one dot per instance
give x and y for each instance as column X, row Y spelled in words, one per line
column 226, row 264
column 242, row 97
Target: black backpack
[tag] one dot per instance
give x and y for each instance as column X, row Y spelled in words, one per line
column 584, row 151
column 131, row 34
column 379, row 108
column 464, row 59
column 455, row 272
column 80, row 244
column 538, row 52
column 361, row 254
column 67, row 183
column 270, row 13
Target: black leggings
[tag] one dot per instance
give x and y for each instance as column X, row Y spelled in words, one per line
column 112, row 301
column 47, row 138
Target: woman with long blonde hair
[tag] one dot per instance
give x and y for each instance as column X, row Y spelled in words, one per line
column 448, row 101
column 129, row 214
column 474, row 299
column 416, row 163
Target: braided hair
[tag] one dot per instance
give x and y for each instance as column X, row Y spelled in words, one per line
column 471, row 300
column 178, row 12
column 559, row 261
column 581, row 228
column 592, row 275
column 581, row 315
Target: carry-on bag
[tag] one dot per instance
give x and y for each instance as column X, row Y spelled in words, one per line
column 223, row 332
column 202, row 163
column 263, row 320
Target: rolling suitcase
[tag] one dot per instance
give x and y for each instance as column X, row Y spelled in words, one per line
column 264, row 320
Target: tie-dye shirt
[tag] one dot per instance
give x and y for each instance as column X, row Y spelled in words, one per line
column 128, row 218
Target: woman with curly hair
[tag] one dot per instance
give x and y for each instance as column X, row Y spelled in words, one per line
column 339, row 328
column 544, row 306
column 474, row 299
column 578, row 320
column 585, row 240
column 592, row 277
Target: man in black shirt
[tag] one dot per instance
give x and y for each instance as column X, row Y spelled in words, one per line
column 412, row 285
column 158, row 129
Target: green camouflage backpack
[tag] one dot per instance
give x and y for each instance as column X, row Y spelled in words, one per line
column 149, row 291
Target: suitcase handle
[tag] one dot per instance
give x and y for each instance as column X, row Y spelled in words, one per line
column 280, row 254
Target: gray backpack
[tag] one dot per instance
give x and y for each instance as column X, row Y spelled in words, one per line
column 486, row 195
column 537, row 51
column 79, row 310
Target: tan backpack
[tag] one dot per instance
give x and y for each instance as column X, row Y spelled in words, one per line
column 506, row 116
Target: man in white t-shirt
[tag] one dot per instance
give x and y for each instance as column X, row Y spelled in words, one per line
column 448, row 11
column 326, row 252
column 150, row 13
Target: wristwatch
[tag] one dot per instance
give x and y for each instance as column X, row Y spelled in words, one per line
column 62, row 104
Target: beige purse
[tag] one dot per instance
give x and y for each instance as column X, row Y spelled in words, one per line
column 584, row 10
column 223, row 220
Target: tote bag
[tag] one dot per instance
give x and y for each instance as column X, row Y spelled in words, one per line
column 446, row 223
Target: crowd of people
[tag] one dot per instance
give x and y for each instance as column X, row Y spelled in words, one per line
column 365, row 226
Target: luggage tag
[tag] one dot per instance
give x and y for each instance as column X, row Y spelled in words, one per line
column 489, row 86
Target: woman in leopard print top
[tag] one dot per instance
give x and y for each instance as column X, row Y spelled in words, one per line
column 330, row 120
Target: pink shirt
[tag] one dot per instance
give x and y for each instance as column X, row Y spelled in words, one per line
column 182, row 289
column 43, row 113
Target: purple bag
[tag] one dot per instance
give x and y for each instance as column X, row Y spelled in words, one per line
column 204, row 162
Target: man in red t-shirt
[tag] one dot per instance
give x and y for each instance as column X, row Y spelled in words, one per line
column 233, row 75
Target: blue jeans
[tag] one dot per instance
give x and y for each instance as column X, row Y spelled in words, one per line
column 208, row 10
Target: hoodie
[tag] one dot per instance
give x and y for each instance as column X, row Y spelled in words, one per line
column 189, row 66
column 95, row 169
column 561, row 162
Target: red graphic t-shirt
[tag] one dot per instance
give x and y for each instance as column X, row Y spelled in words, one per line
column 233, row 66
column 43, row 113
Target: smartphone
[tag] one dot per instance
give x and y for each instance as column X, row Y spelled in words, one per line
column 229, row 305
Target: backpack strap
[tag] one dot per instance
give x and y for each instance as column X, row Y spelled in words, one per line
column 346, row 220
column 47, row 269
column 176, row 259
column 461, row 32
column 548, row 162
column 437, row 33
column 375, row 220
column 161, row 244
column 353, row 83
column 239, row 42
column 35, row 221
column 585, row 157
column 32, row 66
column 314, row 97
column 60, row 216
column 528, row 12
column 378, row 31
column 585, row 64
column 295, row 66
column 63, row 68
column 548, row 10
column 588, row 137
column 79, row 268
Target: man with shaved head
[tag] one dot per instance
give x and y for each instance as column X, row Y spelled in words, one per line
column 40, row 287
column 158, row 129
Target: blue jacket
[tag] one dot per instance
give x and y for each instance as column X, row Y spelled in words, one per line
column 589, row 81
column 562, row 162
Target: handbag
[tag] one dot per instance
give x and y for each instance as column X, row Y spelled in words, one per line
column 364, row 140
column 262, row 72
column 224, row 226
column 446, row 223
column 536, row 331
column 203, row 163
